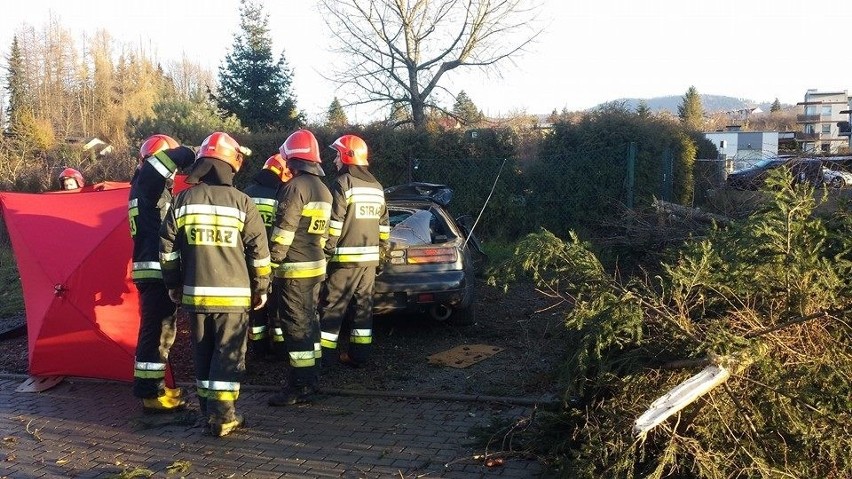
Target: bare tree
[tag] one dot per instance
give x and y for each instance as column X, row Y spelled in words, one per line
column 189, row 78
column 396, row 52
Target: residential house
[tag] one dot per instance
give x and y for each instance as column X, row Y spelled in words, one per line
column 818, row 117
column 741, row 149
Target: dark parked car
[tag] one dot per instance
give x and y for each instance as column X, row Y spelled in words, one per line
column 433, row 258
column 803, row 170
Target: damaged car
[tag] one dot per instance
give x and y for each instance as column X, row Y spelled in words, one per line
column 431, row 264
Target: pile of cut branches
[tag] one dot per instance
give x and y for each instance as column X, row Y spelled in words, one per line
column 765, row 299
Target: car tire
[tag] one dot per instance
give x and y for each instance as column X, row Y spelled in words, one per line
column 468, row 314
column 837, row 182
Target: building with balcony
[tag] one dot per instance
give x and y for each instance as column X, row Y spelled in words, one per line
column 846, row 126
column 817, row 118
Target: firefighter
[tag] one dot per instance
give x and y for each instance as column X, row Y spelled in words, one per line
column 298, row 236
column 265, row 337
column 160, row 157
column 357, row 232
column 70, row 179
column 215, row 259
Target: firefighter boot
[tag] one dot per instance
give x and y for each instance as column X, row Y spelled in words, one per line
column 292, row 395
column 220, row 429
column 346, row 360
column 203, row 419
column 176, row 393
column 162, row 404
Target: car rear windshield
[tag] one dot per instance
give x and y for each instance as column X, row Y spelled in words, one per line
column 412, row 226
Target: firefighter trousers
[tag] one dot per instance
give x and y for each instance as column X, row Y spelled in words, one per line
column 219, row 349
column 156, row 336
column 297, row 316
column 347, row 297
column 265, row 335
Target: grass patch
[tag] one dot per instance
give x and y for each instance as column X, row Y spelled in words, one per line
column 498, row 251
column 11, row 294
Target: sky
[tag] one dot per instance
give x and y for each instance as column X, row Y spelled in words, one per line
column 588, row 52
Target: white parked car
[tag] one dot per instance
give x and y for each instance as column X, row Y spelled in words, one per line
column 836, row 178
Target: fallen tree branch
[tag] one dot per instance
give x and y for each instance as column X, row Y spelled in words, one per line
column 690, row 213
column 802, row 319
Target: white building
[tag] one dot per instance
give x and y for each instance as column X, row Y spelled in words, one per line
column 741, row 149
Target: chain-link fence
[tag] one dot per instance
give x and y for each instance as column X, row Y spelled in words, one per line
column 561, row 192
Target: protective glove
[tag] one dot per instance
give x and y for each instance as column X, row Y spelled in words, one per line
column 258, row 301
column 175, row 294
column 183, row 156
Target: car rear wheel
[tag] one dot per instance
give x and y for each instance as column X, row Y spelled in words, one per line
column 837, row 182
column 468, row 314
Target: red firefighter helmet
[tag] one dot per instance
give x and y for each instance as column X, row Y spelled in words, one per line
column 301, row 145
column 278, row 165
column 352, row 149
column 156, row 143
column 222, row 146
column 70, row 174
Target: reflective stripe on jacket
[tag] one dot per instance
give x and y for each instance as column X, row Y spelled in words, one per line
column 265, row 198
column 150, row 197
column 359, row 222
column 214, row 244
column 301, row 228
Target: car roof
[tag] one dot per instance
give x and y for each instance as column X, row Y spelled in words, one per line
column 418, row 191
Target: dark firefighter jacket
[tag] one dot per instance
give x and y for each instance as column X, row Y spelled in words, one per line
column 359, row 219
column 263, row 191
column 301, row 229
column 150, row 197
column 213, row 243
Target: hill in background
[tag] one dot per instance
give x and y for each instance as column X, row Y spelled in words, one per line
column 711, row 103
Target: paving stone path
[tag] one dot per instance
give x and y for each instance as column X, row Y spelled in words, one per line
column 95, row 429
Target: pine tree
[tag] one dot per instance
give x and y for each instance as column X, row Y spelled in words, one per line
column 642, row 109
column 335, row 116
column 15, row 83
column 776, row 106
column 690, row 111
column 465, row 110
column 251, row 85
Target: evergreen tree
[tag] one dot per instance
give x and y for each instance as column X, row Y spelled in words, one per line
column 690, row 111
column 335, row 116
column 776, row 106
column 252, row 86
column 15, row 83
column 465, row 110
column 642, row 109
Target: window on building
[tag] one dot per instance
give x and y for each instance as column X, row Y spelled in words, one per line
column 825, row 148
column 826, row 128
column 810, row 110
column 826, row 110
column 809, row 128
column 807, row 147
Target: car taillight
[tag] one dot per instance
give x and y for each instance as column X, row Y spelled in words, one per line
column 431, row 255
